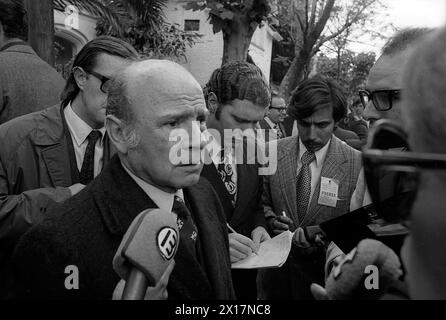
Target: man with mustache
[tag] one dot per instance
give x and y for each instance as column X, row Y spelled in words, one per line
column 318, row 178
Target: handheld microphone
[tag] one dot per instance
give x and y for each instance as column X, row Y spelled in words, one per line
column 145, row 252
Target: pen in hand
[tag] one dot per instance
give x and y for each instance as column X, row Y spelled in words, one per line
column 235, row 232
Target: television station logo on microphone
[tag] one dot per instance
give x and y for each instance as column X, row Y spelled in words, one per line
column 167, row 241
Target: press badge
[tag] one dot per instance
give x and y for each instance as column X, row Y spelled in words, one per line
column 328, row 195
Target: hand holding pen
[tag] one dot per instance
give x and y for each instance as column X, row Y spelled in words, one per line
column 281, row 223
column 240, row 247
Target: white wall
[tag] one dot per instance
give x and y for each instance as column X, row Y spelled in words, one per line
column 83, row 31
column 206, row 55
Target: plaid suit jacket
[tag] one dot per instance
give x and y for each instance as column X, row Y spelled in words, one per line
column 342, row 163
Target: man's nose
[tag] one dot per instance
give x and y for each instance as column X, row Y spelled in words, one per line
column 199, row 139
column 313, row 132
column 370, row 112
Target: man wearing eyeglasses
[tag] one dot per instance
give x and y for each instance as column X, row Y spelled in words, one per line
column 381, row 97
column 272, row 123
column 51, row 155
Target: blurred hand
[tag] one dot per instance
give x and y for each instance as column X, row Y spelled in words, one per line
column 319, row 292
column 76, row 188
column 300, row 240
column 159, row 292
column 259, row 235
column 240, row 247
column 280, row 224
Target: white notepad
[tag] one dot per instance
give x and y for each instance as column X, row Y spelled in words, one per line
column 272, row 253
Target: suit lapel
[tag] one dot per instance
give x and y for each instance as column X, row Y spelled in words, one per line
column 57, row 164
column 212, row 230
column 109, row 151
column 333, row 169
column 211, row 174
column 246, row 178
column 287, row 168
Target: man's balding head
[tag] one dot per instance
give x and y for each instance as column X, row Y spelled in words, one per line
column 387, row 73
column 156, row 80
column 149, row 100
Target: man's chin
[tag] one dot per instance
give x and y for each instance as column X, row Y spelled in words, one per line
column 189, row 180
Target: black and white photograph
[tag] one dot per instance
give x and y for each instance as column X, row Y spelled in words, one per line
column 223, row 155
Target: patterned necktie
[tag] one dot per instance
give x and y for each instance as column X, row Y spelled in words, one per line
column 278, row 131
column 303, row 185
column 87, row 172
column 186, row 226
column 226, row 171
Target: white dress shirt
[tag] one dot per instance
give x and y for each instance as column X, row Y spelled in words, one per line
column 79, row 131
column 360, row 196
column 273, row 129
column 295, row 131
column 162, row 199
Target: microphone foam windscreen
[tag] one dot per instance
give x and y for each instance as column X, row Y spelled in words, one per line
column 149, row 244
column 347, row 280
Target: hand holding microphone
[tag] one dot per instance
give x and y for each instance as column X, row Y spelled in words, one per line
column 347, row 280
column 145, row 256
column 158, row 292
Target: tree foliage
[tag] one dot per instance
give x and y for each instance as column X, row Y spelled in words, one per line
column 351, row 74
column 237, row 19
column 306, row 25
column 140, row 22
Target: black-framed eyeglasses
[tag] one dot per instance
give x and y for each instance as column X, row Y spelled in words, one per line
column 281, row 110
column 383, row 100
column 105, row 81
column 392, row 171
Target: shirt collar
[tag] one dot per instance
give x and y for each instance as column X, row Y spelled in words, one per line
column 320, row 154
column 78, row 127
column 270, row 123
column 162, row 199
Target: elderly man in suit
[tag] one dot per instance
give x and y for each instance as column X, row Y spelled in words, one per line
column 272, row 123
column 27, row 83
column 149, row 101
column 50, row 155
column 318, row 178
column 237, row 96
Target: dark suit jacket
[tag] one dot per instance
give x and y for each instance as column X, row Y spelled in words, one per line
column 288, row 125
column 244, row 218
column 27, row 83
column 37, row 165
column 248, row 213
column 349, row 137
column 265, row 126
column 86, row 231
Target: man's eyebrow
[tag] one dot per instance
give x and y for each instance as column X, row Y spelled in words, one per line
column 178, row 116
column 183, row 115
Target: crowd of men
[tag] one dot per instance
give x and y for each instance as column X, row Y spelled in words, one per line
column 79, row 162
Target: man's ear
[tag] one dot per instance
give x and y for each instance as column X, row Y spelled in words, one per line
column 80, row 76
column 120, row 134
column 213, row 103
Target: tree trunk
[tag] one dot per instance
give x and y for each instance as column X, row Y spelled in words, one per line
column 339, row 62
column 237, row 39
column 295, row 73
column 41, row 28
